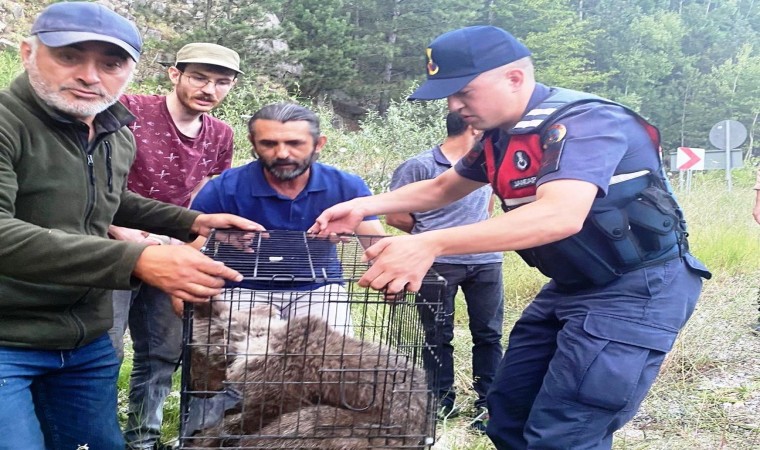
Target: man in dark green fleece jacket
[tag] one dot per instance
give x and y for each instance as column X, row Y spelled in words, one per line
column 65, row 152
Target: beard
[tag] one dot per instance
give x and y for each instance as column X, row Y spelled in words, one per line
column 289, row 169
column 186, row 98
column 54, row 97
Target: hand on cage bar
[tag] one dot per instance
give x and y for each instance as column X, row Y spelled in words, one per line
column 183, row 271
column 397, row 264
column 204, row 223
column 333, row 238
column 342, row 218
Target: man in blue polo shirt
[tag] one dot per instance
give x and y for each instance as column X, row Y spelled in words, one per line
column 286, row 189
column 478, row 275
column 588, row 204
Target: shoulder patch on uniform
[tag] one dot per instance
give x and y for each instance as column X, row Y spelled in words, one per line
column 472, row 156
column 552, row 143
column 553, row 135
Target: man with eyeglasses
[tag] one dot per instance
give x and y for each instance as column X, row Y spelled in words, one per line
column 179, row 148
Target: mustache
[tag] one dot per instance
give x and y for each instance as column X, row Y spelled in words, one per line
column 205, row 98
column 285, row 162
column 84, row 87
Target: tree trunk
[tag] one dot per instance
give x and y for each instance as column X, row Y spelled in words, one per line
column 385, row 94
column 489, row 10
column 207, row 18
column 683, row 114
column 751, row 143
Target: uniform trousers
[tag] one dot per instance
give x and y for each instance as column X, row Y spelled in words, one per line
column 579, row 364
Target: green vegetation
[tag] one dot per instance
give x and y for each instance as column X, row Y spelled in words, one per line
column 679, row 63
column 10, row 67
column 684, row 64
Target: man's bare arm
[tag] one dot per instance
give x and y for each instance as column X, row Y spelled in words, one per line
column 402, row 221
column 420, row 196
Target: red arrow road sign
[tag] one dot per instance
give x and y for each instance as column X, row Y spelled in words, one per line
column 690, row 157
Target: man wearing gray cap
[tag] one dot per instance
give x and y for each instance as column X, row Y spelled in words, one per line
column 179, row 148
column 65, row 152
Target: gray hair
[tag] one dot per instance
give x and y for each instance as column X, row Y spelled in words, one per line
column 33, row 42
column 287, row 112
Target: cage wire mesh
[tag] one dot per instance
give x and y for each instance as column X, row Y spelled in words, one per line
column 299, row 356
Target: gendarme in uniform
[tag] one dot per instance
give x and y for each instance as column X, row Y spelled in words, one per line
column 585, row 352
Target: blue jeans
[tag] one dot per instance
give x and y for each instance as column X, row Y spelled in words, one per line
column 156, row 334
column 579, row 364
column 483, row 293
column 59, row 399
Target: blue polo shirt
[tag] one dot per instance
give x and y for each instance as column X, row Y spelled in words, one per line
column 245, row 192
column 602, row 140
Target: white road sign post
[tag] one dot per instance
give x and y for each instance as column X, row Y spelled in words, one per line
column 727, row 135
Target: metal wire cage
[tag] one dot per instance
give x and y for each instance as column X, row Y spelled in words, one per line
column 299, row 356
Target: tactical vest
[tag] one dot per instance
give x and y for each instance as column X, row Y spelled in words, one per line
column 637, row 224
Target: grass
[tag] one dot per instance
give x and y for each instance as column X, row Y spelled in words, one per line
column 170, row 425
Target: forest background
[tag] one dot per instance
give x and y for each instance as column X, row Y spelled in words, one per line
column 684, row 64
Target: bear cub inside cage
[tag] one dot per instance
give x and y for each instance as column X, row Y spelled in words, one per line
column 298, row 356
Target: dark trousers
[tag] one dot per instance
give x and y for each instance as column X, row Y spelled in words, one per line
column 483, row 293
column 579, row 364
column 157, row 343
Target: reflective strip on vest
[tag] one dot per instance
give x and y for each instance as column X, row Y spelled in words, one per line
column 528, row 124
column 513, row 202
column 619, row 178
